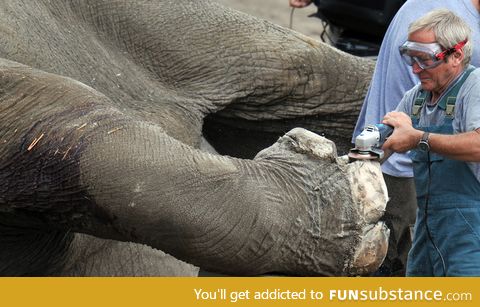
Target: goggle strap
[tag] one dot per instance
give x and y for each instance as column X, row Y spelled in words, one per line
column 442, row 55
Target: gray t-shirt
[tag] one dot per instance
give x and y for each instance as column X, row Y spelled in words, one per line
column 467, row 110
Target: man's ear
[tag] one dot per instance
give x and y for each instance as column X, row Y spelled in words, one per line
column 458, row 56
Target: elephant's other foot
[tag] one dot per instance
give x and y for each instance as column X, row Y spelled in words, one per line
column 335, row 228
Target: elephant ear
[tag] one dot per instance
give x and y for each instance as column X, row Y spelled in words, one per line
column 71, row 160
column 45, row 124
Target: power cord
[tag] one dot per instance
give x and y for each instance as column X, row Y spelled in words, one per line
column 429, row 234
column 291, row 18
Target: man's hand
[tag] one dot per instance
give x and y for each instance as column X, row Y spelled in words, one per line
column 300, row 3
column 404, row 136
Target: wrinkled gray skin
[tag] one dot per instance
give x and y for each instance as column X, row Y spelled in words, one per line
column 102, row 105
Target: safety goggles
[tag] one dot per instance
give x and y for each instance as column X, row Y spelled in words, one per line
column 426, row 55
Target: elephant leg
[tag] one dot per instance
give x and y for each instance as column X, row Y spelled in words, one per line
column 294, row 209
column 33, row 252
column 92, row 256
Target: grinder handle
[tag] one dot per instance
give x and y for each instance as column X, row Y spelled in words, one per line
column 385, row 131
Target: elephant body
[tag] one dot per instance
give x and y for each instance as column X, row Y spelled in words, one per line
column 103, row 159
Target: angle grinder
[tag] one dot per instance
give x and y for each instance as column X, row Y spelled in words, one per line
column 368, row 144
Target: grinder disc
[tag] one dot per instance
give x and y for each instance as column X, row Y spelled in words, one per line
column 359, row 156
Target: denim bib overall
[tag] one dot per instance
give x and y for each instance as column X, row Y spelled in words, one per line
column 452, row 214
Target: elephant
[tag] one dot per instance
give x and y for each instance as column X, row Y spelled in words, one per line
column 117, row 156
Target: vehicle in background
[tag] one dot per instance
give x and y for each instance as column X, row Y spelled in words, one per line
column 356, row 26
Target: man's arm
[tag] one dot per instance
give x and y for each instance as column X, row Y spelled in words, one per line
column 463, row 146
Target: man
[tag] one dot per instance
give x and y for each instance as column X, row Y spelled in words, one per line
column 438, row 121
column 391, row 79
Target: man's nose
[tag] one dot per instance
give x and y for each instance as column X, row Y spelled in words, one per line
column 416, row 68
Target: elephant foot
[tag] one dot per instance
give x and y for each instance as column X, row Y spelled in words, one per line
column 372, row 249
column 337, row 229
column 370, row 192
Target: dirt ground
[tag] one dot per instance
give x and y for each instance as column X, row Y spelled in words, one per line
column 278, row 11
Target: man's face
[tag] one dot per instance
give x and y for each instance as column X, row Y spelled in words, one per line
column 433, row 79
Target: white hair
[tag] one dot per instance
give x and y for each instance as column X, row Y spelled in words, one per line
column 449, row 30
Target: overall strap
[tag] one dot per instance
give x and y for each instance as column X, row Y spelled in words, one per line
column 447, row 102
column 417, row 106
